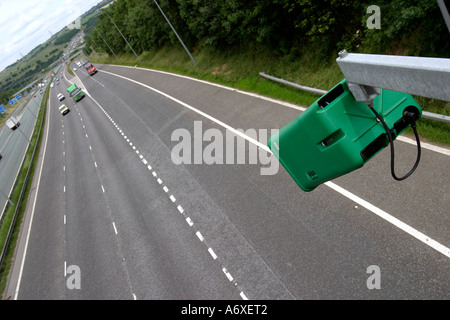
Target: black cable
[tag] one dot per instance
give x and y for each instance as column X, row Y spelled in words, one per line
column 391, row 142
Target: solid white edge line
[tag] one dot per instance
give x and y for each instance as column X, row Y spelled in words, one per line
column 242, row 135
column 425, row 145
column 251, row 94
column 396, row 222
column 283, row 103
column 33, row 210
column 401, row 225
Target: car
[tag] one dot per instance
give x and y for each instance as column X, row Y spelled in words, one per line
column 63, row 109
column 1, row 156
column 74, row 69
column 61, row 97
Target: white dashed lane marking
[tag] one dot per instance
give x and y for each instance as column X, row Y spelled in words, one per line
column 171, row 197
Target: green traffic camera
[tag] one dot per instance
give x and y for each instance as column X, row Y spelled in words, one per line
column 337, row 134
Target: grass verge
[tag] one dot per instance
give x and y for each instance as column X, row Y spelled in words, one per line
column 240, row 68
column 29, row 163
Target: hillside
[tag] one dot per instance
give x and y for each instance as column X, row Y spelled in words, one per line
column 31, row 66
column 27, row 69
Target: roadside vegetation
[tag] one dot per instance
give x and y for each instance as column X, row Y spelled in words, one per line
column 9, row 111
column 20, row 75
column 233, row 41
column 24, row 71
column 13, row 215
column 238, row 72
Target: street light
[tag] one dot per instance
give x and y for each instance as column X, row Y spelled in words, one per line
column 96, row 44
column 107, row 44
column 123, row 36
column 192, row 58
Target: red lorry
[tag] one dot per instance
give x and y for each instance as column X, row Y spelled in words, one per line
column 90, row 68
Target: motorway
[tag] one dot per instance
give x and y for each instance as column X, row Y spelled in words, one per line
column 115, row 215
column 14, row 143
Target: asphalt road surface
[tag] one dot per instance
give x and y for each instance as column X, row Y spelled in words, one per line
column 14, row 143
column 116, row 217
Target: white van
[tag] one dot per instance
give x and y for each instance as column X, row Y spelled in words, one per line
column 12, row 123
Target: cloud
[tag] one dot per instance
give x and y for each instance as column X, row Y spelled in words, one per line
column 25, row 24
column 8, row 47
column 23, row 20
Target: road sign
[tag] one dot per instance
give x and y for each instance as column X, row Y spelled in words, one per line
column 2, row 109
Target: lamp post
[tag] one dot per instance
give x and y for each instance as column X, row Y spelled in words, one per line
column 123, row 36
column 192, row 58
column 107, row 44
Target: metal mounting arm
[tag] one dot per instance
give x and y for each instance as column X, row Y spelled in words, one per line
column 421, row 76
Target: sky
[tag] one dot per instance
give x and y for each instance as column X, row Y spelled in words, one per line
column 25, row 24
